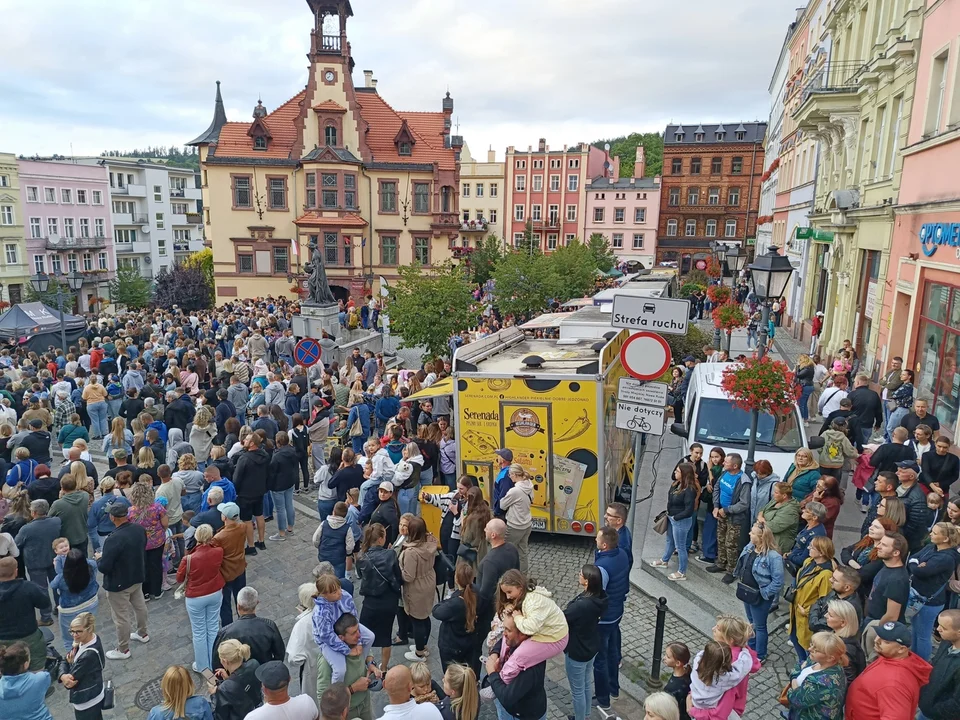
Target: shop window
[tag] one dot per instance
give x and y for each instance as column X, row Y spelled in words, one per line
column 938, row 354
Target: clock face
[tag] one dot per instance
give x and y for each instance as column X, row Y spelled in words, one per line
column 329, row 76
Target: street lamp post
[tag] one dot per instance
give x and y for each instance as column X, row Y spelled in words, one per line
column 769, row 276
column 720, row 254
column 41, row 283
column 736, row 259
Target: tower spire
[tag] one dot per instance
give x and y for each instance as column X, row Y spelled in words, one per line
column 212, row 133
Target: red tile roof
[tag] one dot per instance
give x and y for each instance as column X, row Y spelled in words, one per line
column 385, row 123
column 234, row 141
column 329, row 106
column 315, row 218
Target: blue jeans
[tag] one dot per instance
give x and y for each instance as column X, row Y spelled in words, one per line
column 922, row 629
column 98, row 419
column 805, row 392
column 231, row 589
column 677, row 535
column 801, row 651
column 41, row 577
column 606, row 664
column 751, row 338
column 357, row 444
column 708, row 540
column 204, row 613
column 426, row 476
column 894, row 420
column 267, row 505
column 502, row 713
column 757, row 615
column 580, row 675
column 283, row 501
column 191, row 501
column 409, row 500
column 66, row 618
column 113, row 407
column 325, row 508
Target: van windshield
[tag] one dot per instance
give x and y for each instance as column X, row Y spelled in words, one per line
column 719, row 421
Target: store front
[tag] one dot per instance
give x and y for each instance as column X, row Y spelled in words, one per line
column 937, row 351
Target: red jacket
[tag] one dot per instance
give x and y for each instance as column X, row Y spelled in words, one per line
column 96, row 356
column 888, row 689
column 204, row 577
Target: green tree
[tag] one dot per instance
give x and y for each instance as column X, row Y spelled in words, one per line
column 603, row 257
column 573, row 269
column 427, row 307
column 523, row 282
column 485, row 258
column 203, row 260
column 626, row 148
column 527, row 244
column 130, row 288
column 49, row 298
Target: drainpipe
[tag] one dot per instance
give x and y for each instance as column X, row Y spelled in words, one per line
column 363, row 171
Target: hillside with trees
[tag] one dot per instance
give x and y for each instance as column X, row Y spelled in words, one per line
column 174, row 156
column 626, row 148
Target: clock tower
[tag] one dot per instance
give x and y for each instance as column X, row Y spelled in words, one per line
column 330, row 114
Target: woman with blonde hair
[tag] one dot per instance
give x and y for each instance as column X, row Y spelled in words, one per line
column 813, row 583
column 81, row 444
column 95, row 396
column 204, row 592
column 147, row 465
column 84, row 676
column 803, row 375
column 120, row 437
column 842, row 619
column 760, row 577
column 192, row 480
column 179, row 700
column 803, row 473
column 818, row 686
column 302, row 650
column 931, row 569
column 661, row 706
column 202, row 434
column 239, row 691
column 152, row 517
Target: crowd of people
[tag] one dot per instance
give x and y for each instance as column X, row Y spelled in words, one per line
column 863, row 619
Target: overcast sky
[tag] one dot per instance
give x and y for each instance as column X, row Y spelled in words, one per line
column 116, row 74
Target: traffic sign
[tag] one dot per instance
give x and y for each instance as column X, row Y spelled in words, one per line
column 640, row 418
column 307, row 352
column 662, row 315
column 636, row 391
column 645, row 355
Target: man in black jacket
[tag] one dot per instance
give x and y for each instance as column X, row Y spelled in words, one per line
column 867, row 406
column 940, row 698
column 250, row 480
column 180, row 412
column 888, row 455
column 261, row 634
column 525, row 696
column 73, row 455
column 121, row 560
column 915, row 503
column 37, row 441
column 20, row 601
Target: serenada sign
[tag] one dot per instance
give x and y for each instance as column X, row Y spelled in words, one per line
column 933, row 235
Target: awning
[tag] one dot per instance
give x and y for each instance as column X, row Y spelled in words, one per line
column 547, row 320
column 578, row 303
column 441, row 387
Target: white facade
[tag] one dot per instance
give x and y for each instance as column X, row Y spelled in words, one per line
column 771, row 155
column 481, row 197
column 156, row 211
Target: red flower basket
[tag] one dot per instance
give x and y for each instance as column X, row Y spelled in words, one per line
column 713, row 268
column 765, row 385
column 729, row 316
column 719, row 294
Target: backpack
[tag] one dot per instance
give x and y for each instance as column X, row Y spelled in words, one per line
column 832, row 453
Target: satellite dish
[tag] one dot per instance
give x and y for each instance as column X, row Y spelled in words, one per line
column 606, row 146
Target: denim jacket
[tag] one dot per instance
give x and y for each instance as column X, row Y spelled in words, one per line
column 767, row 570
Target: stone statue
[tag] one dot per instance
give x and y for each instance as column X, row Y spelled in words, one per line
column 319, row 292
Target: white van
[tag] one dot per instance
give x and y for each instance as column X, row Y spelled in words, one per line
column 711, row 419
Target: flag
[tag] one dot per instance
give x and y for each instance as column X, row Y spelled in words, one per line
column 296, row 246
column 384, row 287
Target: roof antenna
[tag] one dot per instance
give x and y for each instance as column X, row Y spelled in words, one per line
column 458, row 125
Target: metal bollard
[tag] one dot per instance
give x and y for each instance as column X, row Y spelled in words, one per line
column 654, row 682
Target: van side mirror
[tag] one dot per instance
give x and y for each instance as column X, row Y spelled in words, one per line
column 681, row 430
column 815, row 442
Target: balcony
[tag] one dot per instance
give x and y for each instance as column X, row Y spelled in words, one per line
column 137, row 191
column 445, row 222
column 178, row 192
column 140, row 247
column 130, row 219
column 831, row 89
column 718, row 209
column 65, row 244
column 545, row 223
column 474, row 226
column 194, row 219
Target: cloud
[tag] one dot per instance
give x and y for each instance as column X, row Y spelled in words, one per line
column 111, row 74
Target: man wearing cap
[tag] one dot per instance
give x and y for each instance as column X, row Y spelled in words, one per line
column 503, row 458
column 889, row 688
column 914, row 502
column 37, row 441
column 233, row 540
column 277, row 703
column 347, row 628
column 122, row 563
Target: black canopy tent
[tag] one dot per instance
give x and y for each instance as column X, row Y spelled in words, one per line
column 37, row 326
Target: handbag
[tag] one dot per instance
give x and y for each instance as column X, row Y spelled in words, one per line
column 783, row 696
column 661, row 522
column 108, row 699
column 748, row 595
column 467, row 553
column 181, row 591
column 789, row 593
column 916, row 602
column 356, row 430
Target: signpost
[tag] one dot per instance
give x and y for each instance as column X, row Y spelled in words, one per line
column 645, row 355
column 640, row 418
column 635, row 391
column 661, row 315
column 307, row 352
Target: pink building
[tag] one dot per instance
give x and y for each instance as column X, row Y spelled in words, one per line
column 922, row 300
column 547, row 188
column 66, row 211
column 626, row 211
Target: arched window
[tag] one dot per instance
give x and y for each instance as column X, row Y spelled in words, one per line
column 330, row 136
column 446, row 202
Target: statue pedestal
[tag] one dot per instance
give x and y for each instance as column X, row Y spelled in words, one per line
column 314, row 319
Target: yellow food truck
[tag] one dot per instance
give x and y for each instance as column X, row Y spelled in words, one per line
column 553, row 404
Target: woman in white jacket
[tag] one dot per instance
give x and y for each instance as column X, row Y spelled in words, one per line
column 516, row 504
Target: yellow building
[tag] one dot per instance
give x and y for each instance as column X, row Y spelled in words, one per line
column 857, row 104
column 481, row 196
column 374, row 187
column 13, row 250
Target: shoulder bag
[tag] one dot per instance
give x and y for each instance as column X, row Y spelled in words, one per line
column 661, row 522
column 181, row 591
column 916, row 602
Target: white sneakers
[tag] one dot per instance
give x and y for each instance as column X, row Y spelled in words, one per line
column 140, row 638
column 117, row 655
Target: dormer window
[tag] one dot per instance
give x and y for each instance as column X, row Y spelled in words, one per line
column 330, row 136
column 259, row 143
column 699, row 137
column 719, row 136
column 741, row 135
column 679, row 137
column 404, row 148
column 404, row 140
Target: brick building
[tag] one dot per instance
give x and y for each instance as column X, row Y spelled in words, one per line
column 548, row 188
column 710, row 190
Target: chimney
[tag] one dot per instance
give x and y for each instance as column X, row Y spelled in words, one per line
column 641, row 164
column 529, row 148
column 491, row 155
column 615, row 169
column 543, row 144
column 368, row 78
column 373, row 83
column 564, row 147
column 633, row 181
column 511, row 149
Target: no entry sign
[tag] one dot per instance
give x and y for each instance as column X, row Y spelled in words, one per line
column 645, row 355
column 307, row 352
